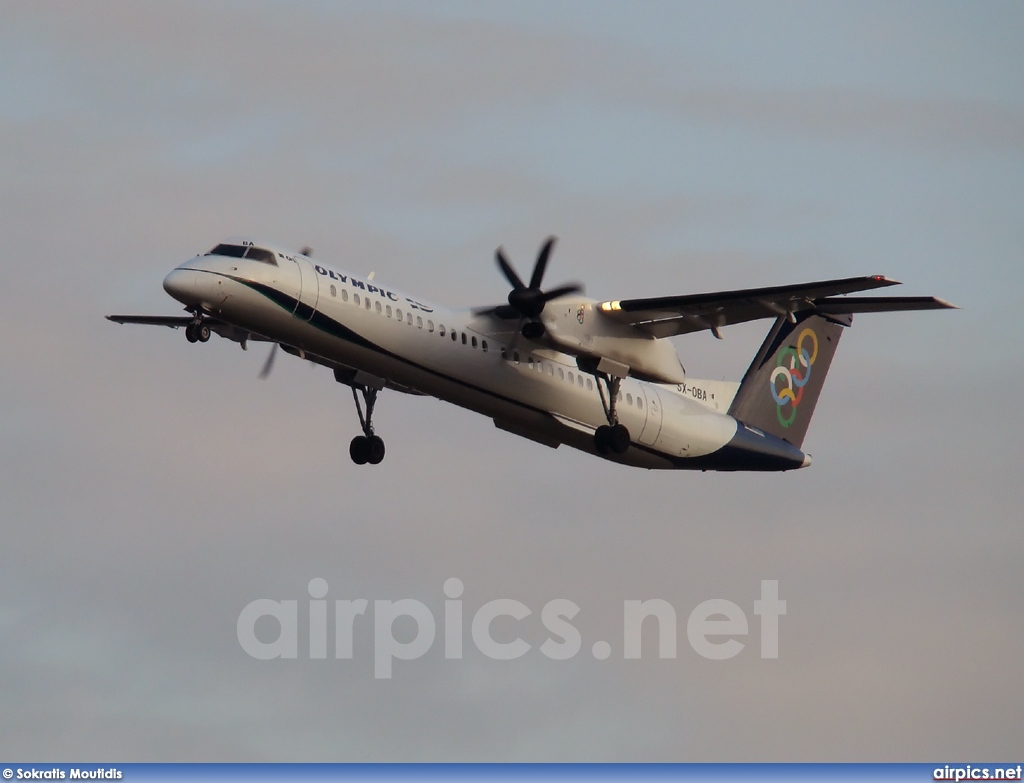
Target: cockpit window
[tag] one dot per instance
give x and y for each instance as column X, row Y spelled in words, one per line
column 232, row 251
column 259, row 254
column 244, row 251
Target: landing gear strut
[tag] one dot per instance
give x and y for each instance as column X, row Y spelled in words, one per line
column 610, row 438
column 366, row 447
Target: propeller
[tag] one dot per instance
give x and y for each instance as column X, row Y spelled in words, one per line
column 268, row 365
column 529, row 300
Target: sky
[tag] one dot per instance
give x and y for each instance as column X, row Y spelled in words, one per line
column 150, row 489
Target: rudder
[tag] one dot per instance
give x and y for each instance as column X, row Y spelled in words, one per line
column 781, row 387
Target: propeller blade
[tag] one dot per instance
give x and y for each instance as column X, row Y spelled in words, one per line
column 504, row 312
column 542, row 263
column 570, row 288
column 506, row 268
column 528, row 301
column 269, row 363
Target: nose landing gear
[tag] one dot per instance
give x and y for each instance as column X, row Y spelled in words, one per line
column 198, row 331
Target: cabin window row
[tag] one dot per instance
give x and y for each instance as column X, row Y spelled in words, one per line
column 574, row 378
column 470, row 340
column 407, row 316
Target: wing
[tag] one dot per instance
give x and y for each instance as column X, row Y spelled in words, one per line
column 225, row 330
column 671, row 315
column 173, row 321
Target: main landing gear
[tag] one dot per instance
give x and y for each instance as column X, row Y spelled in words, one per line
column 610, row 438
column 366, row 447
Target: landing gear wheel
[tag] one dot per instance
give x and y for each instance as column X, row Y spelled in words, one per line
column 202, row 332
column 190, row 333
column 374, row 450
column 619, row 439
column 359, row 450
column 611, row 439
column 366, row 447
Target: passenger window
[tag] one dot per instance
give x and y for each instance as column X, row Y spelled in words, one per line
column 408, row 318
column 398, row 313
column 368, row 303
column 629, row 399
column 455, row 335
column 561, row 374
column 355, row 298
column 639, row 402
column 483, row 345
column 344, row 295
column 419, row 322
column 590, row 385
column 474, row 342
column 378, row 307
column 463, row 338
column 579, row 381
column 572, row 379
column 390, row 312
column 334, row 291
column 504, row 352
column 515, row 356
column 440, row 330
column 430, row 326
column 551, row 369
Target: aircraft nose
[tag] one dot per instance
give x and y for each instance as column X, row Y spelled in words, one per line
column 181, row 284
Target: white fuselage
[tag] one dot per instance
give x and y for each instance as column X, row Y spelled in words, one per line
column 458, row 357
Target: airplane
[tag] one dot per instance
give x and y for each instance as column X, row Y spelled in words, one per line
column 549, row 365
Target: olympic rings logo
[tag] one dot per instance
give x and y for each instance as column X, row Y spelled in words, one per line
column 794, row 368
column 579, row 315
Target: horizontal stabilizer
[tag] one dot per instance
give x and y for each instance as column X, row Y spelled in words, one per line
column 879, row 304
column 666, row 316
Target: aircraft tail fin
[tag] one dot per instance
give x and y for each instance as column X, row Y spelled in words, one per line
column 781, row 387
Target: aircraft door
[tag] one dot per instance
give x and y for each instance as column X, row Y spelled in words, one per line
column 652, row 422
column 309, row 290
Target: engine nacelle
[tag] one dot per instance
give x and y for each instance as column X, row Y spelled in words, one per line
column 577, row 327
